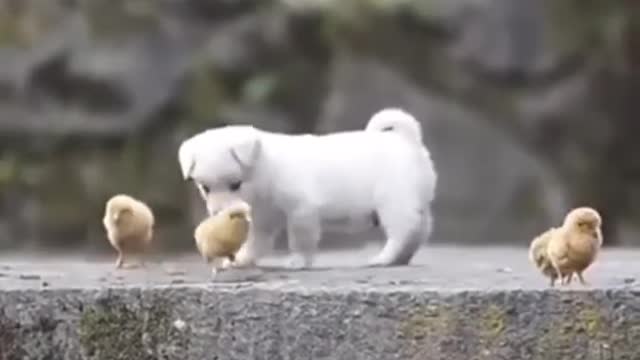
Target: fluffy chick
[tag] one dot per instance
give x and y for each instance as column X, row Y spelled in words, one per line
column 575, row 245
column 129, row 225
column 538, row 255
column 221, row 235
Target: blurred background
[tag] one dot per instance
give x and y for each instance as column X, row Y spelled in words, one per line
column 529, row 107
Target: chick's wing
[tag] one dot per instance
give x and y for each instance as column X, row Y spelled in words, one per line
column 538, row 247
column 558, row 248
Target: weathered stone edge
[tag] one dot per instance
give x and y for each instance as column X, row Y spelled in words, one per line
column 287, row 322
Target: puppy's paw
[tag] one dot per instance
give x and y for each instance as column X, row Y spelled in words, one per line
column 378, row 261
column 298, row 262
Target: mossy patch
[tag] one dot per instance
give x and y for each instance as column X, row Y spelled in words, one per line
column 68, row 187
column 115, row 330
column 493, row 322
column 578, row 323
column 22, row 23
column 427, row 321
column 428, row 329
column 578, row 26
column 118, row 19
column 203, row 95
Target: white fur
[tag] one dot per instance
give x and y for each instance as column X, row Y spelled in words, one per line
column 303, row 183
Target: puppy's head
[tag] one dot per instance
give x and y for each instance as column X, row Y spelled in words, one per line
column 220, row 162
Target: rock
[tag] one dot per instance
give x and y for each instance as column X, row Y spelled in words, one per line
column 427, row 310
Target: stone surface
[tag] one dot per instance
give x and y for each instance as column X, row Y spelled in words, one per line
column 452, row 303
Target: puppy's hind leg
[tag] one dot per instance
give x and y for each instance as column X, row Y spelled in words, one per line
column 405, row 228
column 303, row 233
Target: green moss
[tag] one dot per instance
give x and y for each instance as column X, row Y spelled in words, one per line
column 203, row 96
column 258, row 89
column 578, row 322
column 8, row 169
column 117, row 19
column 62, row 195
column 427, row 322
column 592, row 322
column 69, row 188
column 22, row 23
column 10, row 33
column 18, row 28
column 580, row 25
column 493, row 322
column 115, row 331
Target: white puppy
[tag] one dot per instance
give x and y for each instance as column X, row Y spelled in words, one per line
column 380, row 176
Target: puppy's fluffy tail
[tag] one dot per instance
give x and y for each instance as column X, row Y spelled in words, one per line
column 398, row 121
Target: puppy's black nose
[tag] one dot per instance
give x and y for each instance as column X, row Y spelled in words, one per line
column 375, row 219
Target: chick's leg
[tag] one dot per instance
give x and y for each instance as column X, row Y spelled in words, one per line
column 216, row 267
column 582, row 280
column 569, row 278
column 559, row 274
column 133, row 262
column 119, row 260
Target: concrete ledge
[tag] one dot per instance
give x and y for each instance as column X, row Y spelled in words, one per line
column 346, row 313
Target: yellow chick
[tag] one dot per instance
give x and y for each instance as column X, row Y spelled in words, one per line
column 129, row 226
column 574, row 246
column 538, row 255
column 220, row 236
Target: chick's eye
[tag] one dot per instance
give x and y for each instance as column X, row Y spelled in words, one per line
column 205, row 188
column 235, row 185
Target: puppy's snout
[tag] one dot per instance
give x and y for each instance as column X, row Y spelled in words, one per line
column 212, row 209
column 218, row 201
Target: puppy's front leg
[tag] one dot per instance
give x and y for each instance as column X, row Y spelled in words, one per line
column 303, row 233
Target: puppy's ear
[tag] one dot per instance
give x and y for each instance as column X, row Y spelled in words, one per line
column 187, row 159
column 246, row 152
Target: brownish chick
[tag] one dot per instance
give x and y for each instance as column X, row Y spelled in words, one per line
column 538, row 255
column 221, row 235
column 575, row 245
column 129, row 225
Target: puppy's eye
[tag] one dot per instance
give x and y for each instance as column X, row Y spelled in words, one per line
column 235, row 185
column 205, row 188
column 388, row 128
